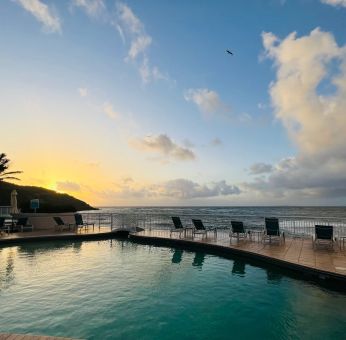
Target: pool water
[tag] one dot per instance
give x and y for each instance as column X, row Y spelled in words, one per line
column 122, row 290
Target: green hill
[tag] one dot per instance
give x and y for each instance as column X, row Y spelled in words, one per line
column 50, row 201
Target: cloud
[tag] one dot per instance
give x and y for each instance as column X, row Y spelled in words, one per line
column 120, row 31
column 145, row 71
column 210, row 105
column 244, row 118
column 129, row 19
column 207, row 101
column 186, row 189
column 163, row 146
column 132, row 33
column 139, row 45
column 149, row 74
column 92, row 7
column 178, row 189
column 341, row 3
column 67, row 186
column 262, row 106
column 43, row 13
column 109, row 110
column 130, row 26
column 188, row 143
column 216, row 142
column 315, row 121
column 83, row 91
column 260, row 168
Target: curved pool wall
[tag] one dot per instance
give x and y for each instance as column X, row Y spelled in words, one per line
column 122, row 290
column 66, row 236
column 327, row 279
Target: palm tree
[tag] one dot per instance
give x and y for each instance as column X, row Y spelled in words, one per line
column 4, row 165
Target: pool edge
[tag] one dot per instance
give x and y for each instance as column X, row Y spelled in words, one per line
column 306, row 273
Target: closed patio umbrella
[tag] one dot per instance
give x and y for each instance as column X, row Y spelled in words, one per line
column 14, row 207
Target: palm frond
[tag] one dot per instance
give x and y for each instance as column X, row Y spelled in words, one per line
column 8, row 177
column 4, row 165
column 11, row 173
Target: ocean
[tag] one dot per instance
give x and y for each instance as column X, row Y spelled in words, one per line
column 293, row 220
column 257, row 211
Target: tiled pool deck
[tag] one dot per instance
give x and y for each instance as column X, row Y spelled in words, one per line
column 296, row 253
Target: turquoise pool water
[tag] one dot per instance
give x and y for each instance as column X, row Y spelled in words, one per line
column 122, row 290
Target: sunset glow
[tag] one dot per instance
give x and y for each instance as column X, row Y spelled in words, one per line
column 138, row 103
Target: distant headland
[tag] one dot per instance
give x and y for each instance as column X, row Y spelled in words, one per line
column 50, row 200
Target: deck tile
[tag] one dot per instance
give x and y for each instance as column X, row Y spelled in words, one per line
column 297, row 251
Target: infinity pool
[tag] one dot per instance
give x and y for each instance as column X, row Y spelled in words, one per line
column 122, row 290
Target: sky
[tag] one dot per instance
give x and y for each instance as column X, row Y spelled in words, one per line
column 138, row 102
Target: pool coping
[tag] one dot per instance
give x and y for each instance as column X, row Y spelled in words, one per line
column 314, row 274
column 67, row 236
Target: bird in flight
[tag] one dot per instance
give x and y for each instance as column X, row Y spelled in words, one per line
column 229, row 52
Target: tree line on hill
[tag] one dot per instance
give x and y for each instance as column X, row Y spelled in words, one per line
column 50, row 201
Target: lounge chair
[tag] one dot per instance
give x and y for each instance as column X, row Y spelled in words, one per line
column 3, row 226
column 201, row 229
column 238, row 230
column 22, row 224
column 323, row 235
column 178, row 227
column 272, row 230
column 80, row 223
column 60, row 224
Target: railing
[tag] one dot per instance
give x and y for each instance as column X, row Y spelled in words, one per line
column 5, row 211
column 294, row 226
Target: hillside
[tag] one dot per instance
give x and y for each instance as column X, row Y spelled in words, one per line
column 50, row 201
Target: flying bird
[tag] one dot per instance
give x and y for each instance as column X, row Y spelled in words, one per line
column 229, row 52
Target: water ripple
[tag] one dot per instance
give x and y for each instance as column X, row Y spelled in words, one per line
column 116, row 289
